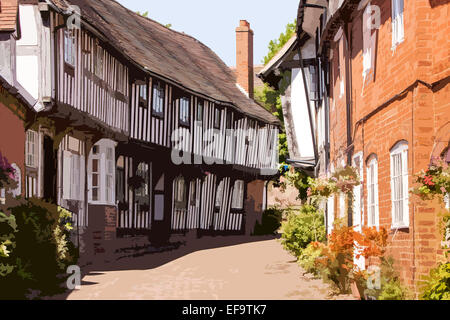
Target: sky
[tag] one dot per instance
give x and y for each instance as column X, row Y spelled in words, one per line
column 213, row 22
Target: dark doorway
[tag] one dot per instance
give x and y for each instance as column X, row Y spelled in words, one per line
column 49, row 170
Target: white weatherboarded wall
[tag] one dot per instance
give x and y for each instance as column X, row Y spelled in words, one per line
column 300, row 116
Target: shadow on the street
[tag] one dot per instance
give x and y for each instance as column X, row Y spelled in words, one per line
column 155, row 257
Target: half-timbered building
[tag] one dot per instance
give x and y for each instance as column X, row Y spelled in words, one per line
column 144, row 128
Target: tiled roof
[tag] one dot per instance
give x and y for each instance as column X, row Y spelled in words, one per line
column 165, row 52
column 8, row 15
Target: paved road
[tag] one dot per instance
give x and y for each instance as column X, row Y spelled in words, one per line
column 249, row 270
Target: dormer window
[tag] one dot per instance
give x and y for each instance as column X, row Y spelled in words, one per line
column 158, row 99
column 184, row 111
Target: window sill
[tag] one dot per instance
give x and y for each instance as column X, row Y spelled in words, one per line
column 399, row 227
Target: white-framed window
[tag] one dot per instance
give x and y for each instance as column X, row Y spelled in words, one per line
column 143, row 172
column 18, row 179
column 143, row 100
column 358, row 200
column 69, row 48
column 31, row 149
column 369, row 38
column 200, row 111
column 121, row 78
column 101, row 173
column 219, row 195
column 238, row 195
column 399, row 186
column 184, row 111
column 373, row 215
column 99, row 60
column 180, row 193
column 73, row 167
column 217, row 118
column 158, row 99
column 398, row 28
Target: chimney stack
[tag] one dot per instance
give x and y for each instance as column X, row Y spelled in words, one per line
column 244, row 57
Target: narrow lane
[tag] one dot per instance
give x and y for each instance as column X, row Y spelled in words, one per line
column 255, row 270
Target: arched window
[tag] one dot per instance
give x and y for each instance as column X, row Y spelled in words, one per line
column 373, row 215
column 399, row 185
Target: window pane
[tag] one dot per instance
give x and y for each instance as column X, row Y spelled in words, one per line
column 94, row 165
column 95, row 194
column 200, row 112
column 95, row 180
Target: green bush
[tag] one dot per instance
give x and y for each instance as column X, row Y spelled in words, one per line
column 302, row 228
column 437, row 286
column 307, row 259
column 393, row 290
column 40, row 249
column 270, row 222
column 391, row 287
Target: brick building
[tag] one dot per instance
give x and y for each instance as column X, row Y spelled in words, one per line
column 382, row 71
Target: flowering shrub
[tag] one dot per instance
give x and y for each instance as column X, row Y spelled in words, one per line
column 433, row 181
column 337, row 258
column 6, row 171
column 343, row 180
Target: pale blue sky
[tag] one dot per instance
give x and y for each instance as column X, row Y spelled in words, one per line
column 213, row 22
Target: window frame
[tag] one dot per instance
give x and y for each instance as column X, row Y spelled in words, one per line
column 106, row 172
column 99, row 57
column 34, row 153
column 143, row 100
column 400, row 150
column 219, row 191
column 373, row 206
column 180, row 198
column 158, row 87
column 217, row 118
column 237, row 199
column 184, row 102
column 200, row 111
column 398, row 22
column 69, row 49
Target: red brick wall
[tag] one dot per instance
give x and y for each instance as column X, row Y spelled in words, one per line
column 12, row 131
column 419, row 115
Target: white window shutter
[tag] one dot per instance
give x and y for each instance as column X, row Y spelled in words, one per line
column 405, row 188
column 67, row 174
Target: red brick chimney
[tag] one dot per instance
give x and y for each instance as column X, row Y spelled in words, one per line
column 244, row 57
